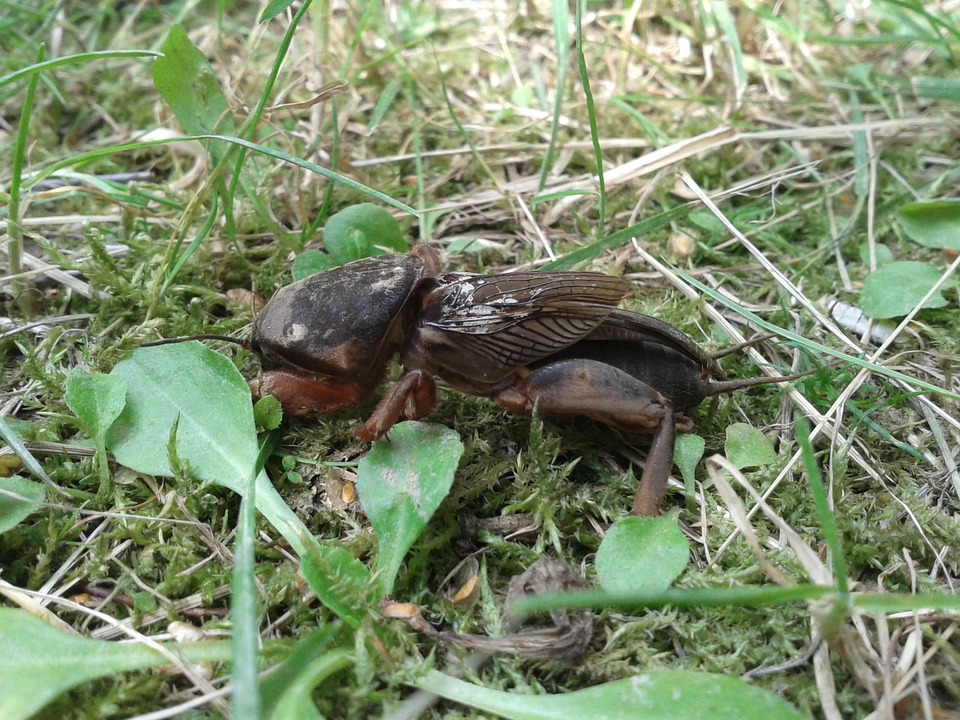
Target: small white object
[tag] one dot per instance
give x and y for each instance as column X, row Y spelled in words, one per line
column 852, row 319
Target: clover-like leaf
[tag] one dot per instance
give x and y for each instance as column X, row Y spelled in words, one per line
column 268, row 412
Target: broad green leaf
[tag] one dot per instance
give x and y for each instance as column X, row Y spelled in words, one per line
column 352, row 245
column 310, row 262
column 203, row 393
column 895, row 289
column 401, row 482
column 360, row 231
column 205, row 397
column 39, row 662
column 642, row 554
column 932, row 224
column 13, row 510
column 746, row 446
column 185, row 80
column 677, row 695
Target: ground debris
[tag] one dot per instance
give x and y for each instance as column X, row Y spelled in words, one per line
column 566, row 638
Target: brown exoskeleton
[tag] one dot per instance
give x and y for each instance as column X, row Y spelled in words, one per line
column 554, row 341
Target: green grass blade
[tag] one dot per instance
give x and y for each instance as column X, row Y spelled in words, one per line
column 821, row 502
column 15, row 247
column 592, row 117
column 722, row 16
column 77, row 59
column 617, row 239
column 253, row 120
column 270, row 152
column 676, row 597
column 561, row 40
column 181, row 258
column 812, row 346
column 245, row 636
column 244, row 615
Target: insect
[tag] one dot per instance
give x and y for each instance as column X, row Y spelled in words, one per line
column 552, row 341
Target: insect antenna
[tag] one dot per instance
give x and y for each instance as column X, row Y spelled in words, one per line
column 223, row 338
column 719, row 387
column 745, row 344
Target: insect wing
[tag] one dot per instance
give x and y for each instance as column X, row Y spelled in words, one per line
column 513, row 320
column 631, row 327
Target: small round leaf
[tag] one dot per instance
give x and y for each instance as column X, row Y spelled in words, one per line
column 896, row 288
column 310, row 262
column 268, row 412
column 748, row 447
column 360, row 231
column 642, row 555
